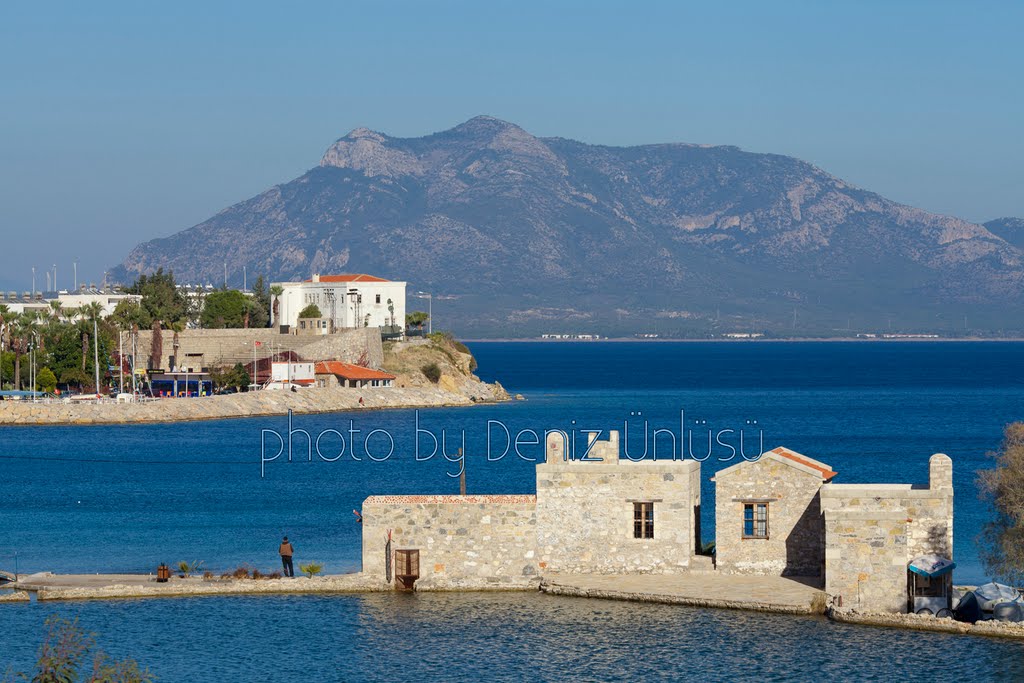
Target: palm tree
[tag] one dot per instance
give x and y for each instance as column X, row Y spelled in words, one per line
column 276, row 291
column 5, row 314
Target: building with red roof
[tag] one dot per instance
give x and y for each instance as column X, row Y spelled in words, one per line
column 333, row 373
column 345, row 301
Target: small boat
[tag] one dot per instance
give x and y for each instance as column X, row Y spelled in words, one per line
column 7, row 577
column 991, row 594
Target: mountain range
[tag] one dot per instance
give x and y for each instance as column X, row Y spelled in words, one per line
column 517, row 235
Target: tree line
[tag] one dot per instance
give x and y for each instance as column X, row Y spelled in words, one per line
column 63, row 340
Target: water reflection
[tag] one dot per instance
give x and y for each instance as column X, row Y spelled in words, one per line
column 502, row 637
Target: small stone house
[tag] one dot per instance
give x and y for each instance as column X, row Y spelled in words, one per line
column 768, row 515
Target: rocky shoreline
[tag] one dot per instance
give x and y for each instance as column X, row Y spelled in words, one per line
column 252, row 404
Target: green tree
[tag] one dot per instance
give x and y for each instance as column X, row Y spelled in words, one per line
column 1003, row 487
column 416, row 319
column 238, row 377
column 311, row 311
column 67, row 656
column 161, row 298
column 74, row 377
column 6, row 370
column 46, row 381
column 259, row 315
column 130, row 313
column 224, row 308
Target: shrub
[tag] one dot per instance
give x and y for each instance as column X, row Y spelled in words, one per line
column 187, row 569
column 311, row 569
column 207, row 576
column 311, row 311
column 274, row 575
column 66, row 655
column 240, row 573
column 432, row 372
column 257, row 574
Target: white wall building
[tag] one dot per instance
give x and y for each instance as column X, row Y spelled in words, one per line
column 345, row 301
column 68, row 301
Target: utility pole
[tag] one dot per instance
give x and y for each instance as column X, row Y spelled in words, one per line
column 120, row 359
column 33, row 282
column 225, row 275
column 462, row 475
column 76, row 274
column 55, row 287
column 245, row 279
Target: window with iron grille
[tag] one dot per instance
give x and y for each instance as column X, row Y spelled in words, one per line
column 755, row 520
column 643, row 520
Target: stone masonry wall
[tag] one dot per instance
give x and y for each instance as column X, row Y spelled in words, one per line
column 795, row 543
column 585, row 512
column 464, row 541
column 918, row 517
column 866, row 559
column 227, row 347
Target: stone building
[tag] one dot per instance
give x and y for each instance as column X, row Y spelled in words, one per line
column 778, row 515
column 873, row 531
column 782, row 515
column 616, row 516
column 596, row 516
column 768, row 515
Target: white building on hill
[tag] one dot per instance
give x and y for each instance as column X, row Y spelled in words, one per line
column 345, row 301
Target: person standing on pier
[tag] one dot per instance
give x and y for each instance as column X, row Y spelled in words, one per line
column 286, row 551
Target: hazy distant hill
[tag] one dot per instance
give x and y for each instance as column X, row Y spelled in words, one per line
column 1010, row 229
column 548, row 235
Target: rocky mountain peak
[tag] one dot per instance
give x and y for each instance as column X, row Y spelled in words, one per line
column 370, row 152
column 548, row 234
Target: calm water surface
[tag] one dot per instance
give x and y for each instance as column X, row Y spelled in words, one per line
column 128, row 498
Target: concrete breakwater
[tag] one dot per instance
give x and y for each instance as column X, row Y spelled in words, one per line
column 252, row 404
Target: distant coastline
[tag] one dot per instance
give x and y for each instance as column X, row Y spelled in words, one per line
column 772, row 340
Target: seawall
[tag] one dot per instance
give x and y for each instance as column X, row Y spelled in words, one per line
column 252, row 404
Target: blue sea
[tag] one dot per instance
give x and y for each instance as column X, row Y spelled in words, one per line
column 124, row 499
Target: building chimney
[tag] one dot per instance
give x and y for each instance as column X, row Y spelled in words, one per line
column 316, row 277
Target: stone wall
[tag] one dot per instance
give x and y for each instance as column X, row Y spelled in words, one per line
column 866, row 559
column 795, row 543
column 227, row 347
column 464, row 541
column 872, row 528
column 585, row 512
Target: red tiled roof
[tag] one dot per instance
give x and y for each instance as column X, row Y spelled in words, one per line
column 826, row 473
column 349, row 371
column 350, row 277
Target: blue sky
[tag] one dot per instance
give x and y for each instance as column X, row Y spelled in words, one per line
column 125, row 121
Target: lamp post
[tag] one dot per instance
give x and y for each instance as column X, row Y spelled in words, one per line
column 96, row 353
